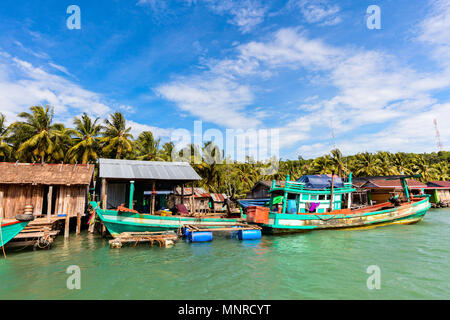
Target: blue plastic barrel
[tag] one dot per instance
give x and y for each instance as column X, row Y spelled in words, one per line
column 185, row 232
column 291, row 206
column 200, row 236
column 249, row 234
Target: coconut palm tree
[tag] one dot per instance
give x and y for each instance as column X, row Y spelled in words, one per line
column 442, row 171
column 86, row 141
column 5, row 147
column 421, row 166
column 367, row 164
column 401, row 163
column 62, row 139
column 36, row 132
column 322, row 165
column 338, row 162
column 165, row 152
column 148, row 147
column 116, row 138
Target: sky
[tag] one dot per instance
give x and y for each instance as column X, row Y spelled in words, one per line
column 310, row 69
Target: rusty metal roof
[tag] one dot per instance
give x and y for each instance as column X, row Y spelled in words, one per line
column 148, row 170
column 218, row 197
column 48, row 174
column 439, row 184
column 198, row 192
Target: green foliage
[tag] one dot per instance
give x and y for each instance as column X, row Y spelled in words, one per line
column 37, row 138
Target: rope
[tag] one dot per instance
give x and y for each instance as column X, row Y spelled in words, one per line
column 1, row 236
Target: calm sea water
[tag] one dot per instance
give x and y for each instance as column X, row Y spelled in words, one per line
column 414, row 262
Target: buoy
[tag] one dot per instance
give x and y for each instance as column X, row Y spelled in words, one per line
column 249, row 234
column 200, row 236
column 186, row 231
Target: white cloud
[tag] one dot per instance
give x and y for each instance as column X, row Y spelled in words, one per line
column 213, row 99
column 137, row 128
column 23, row 85
column 317, row 11
column 246, row 14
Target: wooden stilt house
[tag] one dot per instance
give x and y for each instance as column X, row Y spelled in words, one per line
column 53, row 190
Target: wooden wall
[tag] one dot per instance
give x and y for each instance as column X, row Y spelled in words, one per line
column 17, row 196
column 14, row 197
column 70, row 199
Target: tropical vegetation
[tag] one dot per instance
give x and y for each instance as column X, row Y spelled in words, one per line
column 37, row 138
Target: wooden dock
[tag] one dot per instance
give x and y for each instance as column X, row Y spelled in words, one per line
column 161, row 238
column 39, row 233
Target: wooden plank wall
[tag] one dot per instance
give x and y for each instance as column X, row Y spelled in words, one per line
column 73, row 203
column 16, row 197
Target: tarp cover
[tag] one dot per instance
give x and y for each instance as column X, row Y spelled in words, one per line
column 253, row 202
column 320, row 181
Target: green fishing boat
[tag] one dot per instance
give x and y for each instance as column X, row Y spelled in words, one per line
column 10, row 228
column 118, row 221
column 321, row 202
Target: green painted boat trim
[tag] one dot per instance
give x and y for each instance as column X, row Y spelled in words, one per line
column 10, row 230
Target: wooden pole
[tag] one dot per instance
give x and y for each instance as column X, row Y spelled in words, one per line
column 104, row 193
column 2, row 214
column 153, row 196
column 182, row 193
column 332, row 187
column 78, row 222
column 192, row 199
column 104, row 200
column 49, row 203
column 67, row 205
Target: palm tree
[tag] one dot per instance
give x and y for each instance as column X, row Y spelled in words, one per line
column 385, row 163
column 401, row 163
column 86, row 141
column 148, row 147
column 421, row 166
column 62, row 139
column 442, row 171
column 367, row 164
column 165, row 152
column 5, row 147
column 36, row 132
column 116, row 137
column 337, row 162
column 323, row 165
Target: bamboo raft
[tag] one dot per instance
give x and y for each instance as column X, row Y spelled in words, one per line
column 161, row 238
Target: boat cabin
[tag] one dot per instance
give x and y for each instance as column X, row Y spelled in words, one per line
column 310, row 194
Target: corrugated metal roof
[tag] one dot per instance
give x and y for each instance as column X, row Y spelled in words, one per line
column 198, row 192
column 218, row 197
column 152, row 170
column 439, row 184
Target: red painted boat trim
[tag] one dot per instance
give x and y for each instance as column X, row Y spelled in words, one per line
column 10, row 223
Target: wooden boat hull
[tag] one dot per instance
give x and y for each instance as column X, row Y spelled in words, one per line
column 117, row 223
column 408, row 213
column 10, row 229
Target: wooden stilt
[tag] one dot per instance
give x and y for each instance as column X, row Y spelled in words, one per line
column 192, row 200
column 2, row 215
column 153, row 196
column 78, row 223
column 49, row 203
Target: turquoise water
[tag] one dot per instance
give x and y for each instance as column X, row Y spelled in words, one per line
column 413, row 259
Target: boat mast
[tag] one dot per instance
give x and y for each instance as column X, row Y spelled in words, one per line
column 332, row 187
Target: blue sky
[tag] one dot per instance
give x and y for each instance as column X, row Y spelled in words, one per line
column 309, row 68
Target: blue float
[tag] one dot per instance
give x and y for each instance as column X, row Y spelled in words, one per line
column 200, row 236
column 185, row 231
column 249, row 234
